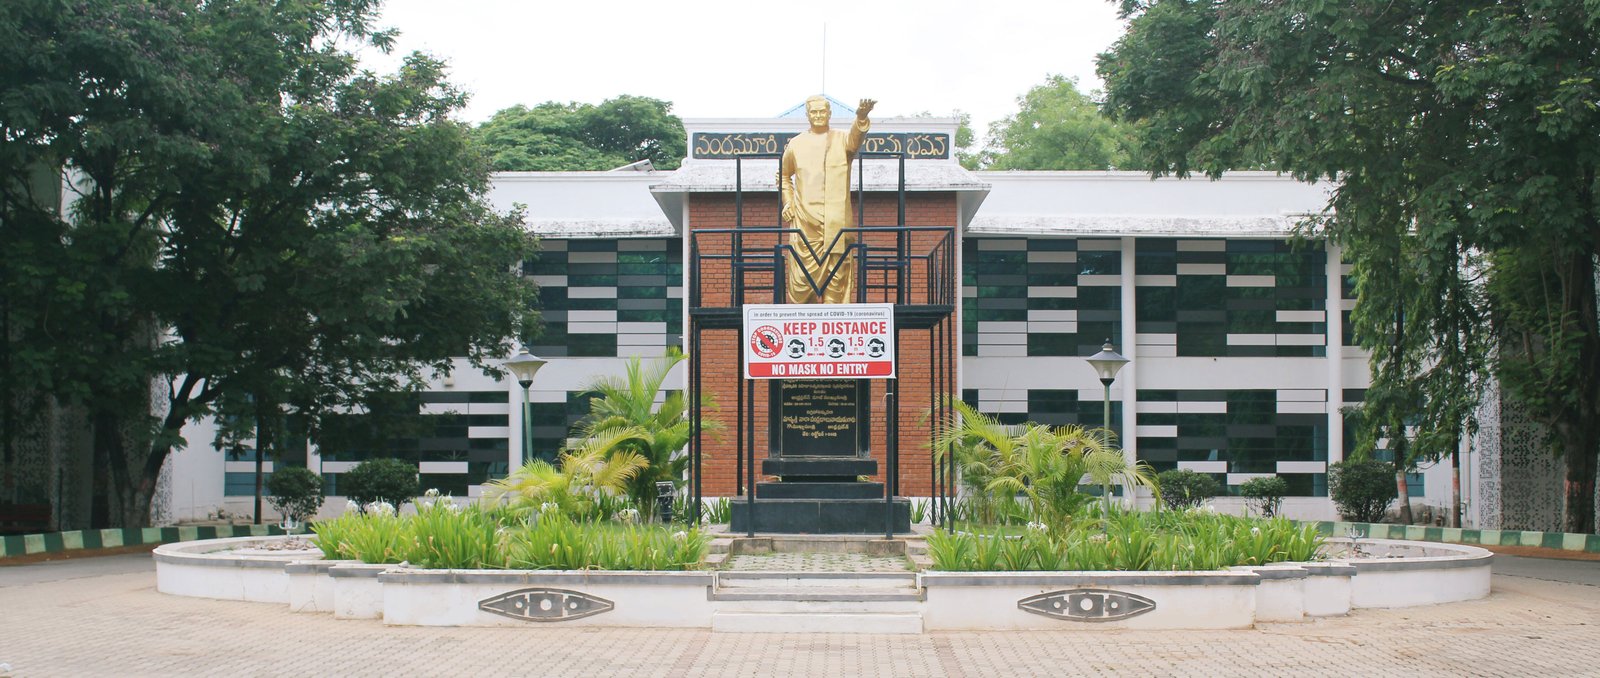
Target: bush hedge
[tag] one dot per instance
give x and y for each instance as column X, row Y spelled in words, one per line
column 388, row 480
column 1186, row 489
column 1362, row 489
column 295, row 492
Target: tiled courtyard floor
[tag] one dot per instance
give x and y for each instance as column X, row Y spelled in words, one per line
column 108, row 623
column 817, row 562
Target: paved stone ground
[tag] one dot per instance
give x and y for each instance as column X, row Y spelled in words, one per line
column 111, row 622
column 817, row 562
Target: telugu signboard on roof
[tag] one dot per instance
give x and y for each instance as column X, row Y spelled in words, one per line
column 819, row 341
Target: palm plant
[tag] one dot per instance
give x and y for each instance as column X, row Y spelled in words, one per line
column 626, row 418
column 1113, row 468
column 1043, row 463
column 584, row 480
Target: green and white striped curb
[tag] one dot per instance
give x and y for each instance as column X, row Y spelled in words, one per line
column 55, row 542
column 1565, row 541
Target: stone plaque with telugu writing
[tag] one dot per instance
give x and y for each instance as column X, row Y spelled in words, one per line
column 823, row 417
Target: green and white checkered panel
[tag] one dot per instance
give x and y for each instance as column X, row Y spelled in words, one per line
column 609, row 297
column 1234, row 298
column 1040, row 296
column 1237, row 435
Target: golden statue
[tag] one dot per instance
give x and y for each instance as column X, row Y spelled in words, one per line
column 814, row 181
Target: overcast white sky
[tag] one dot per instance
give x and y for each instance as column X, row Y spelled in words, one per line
column 752, row 59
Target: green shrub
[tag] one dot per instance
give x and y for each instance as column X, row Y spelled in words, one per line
column 1362, row 489
column 716, row 511
column 445, row 536
column 556, row 542
column 1265, row 495
column 380, row 480
column 295, row 492
column 1186, row 489
column 376, row 537
column 1134, row 541
column 332, row 535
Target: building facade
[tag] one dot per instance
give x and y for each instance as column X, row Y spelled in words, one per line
column 1242, row 364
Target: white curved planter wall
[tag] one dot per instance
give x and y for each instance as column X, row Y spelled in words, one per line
column 1399, row 574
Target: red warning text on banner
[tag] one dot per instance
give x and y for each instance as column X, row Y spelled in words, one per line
column 819, row 341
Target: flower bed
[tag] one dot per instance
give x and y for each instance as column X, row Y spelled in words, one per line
column 444, row 535
column 1126, row 541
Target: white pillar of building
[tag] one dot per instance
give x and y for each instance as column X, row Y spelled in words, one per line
column 1335, row 352
column 1129, row 347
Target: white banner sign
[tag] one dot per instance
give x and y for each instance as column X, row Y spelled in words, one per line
column 819, row 341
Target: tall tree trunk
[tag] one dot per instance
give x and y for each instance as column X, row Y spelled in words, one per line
column 1580, row 462
column 1402, row 493
column 1455, row 483
column 1402, row 456
column 100, row 502
column 112, row 479
column 263, row 442
column 1580, row 437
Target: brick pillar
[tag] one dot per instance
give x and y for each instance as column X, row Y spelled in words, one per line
column 719, row 349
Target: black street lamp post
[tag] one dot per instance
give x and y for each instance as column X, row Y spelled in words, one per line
column 1107, row 363
column 524, row 365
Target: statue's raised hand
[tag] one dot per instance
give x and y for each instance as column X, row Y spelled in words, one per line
column 865, row 107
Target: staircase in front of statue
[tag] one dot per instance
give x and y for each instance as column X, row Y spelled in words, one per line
column 808, row 584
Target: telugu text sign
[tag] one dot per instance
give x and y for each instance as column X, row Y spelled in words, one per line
column 915, row 145
column 819, row 341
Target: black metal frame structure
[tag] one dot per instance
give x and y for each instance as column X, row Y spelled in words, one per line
column 754, row 259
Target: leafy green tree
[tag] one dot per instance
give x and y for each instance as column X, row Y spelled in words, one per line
column 553, row 136
column 255, row 219
column 1458, row 137
column 1058, row 128
column 965, row 153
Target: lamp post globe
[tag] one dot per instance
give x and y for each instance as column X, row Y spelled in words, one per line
column 523, row 366
column 1106, row 364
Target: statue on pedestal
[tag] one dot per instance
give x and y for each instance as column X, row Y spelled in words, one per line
column 814, row 182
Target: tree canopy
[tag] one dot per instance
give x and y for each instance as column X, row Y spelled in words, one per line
column 255, row 220
column 1459, row 137
column 1057, row 128
column 555, row 136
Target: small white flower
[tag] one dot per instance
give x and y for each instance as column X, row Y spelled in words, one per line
column 380, row 508
column 432, row 493
column 549, row 507
column 452, row 506
column 1097, row 538
column 1255, row 531
column 627, row 515
column 351, row 505
column 1037, row 526
column 425, row 504
column 680, row 535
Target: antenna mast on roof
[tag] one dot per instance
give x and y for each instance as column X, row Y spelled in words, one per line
column 824, row 89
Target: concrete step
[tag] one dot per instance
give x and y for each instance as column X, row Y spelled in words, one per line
column 837, row 468
column 816, row 580
column 831, row 594
column 816, row 622
column 806, row 490
column 820, row 606
column 822, row 516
